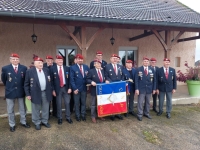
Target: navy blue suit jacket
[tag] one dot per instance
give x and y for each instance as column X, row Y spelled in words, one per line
column 45, row 65
column 166, row 85
column 76, row 78
column 93, row 76
column 110, row 74
column 32, row 86
column 54, row 73
column 103, row 64
column 143, row 83
column 128, row 76
column 14, row 82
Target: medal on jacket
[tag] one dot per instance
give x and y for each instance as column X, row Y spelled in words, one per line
column 55, row 75
column 86, row 72
column 140, row 75
column 22, row 74
column 151, row 76
column 49, row 78
column 9, row 78
column 67, row 74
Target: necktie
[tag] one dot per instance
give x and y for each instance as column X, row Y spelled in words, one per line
column 100, row 77
column 15, row 69
column 166, row 74
column 40, row 70
column 61, row 77
column 145, row 71
column 81, row 70
column 115, row 69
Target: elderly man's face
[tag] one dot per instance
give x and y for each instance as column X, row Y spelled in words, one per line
column 59, row 62
column 153, row 63
column 113, row 60
column 14, row 61
column 38, row 64
column 79, row 61
column 166, row 64
column 99, row 57
column 129, row 65
column 49, row 62
column 97, row 65
column 145, row 63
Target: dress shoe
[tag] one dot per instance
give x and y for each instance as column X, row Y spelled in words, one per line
column 119, row 117
column 126, row 114
column 69, row 121
column 132, row 113
column 47, row 125
column 78, row 119
column 94, row 120
column 26, row 125
column 12, row 129
column 59, row 121
column 168, row 116
column 103, row 119
column 159, row 113
column 139, row 118
column 112, row 118
column 155, row 110
column 38, row 127
column 148, row 116
column 83, row 118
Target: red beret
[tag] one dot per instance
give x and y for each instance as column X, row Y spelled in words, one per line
column 99, row 53
column 153, row 59
column 49, row 57
column 118, row 57
column 129, row 61
column 79, row 56
column 166, row 59
column 59, row 57
column 114, row 55
column 14, row 55
column 145, row 58
column 96, row 60
column 38, row 59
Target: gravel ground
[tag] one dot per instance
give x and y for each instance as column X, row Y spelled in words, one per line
column 181, row 132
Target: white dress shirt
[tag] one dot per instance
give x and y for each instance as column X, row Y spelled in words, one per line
column 42, row 79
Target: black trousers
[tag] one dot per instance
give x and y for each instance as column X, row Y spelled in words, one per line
column 154, row 101
column 54, row 106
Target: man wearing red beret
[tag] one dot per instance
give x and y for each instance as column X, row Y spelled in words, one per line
column 99, row 56
column 13, row 76
column 95, row 75
column 78, row 73
column 38, row 90
column 155, row 68
column 145, row 85
column 166, row 85
column 49, row 63
column 61, row 88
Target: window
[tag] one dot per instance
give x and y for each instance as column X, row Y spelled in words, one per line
column 68, row 54
column 177, row 61
column 126, row 53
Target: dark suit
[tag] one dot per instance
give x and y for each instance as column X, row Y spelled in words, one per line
column 154, row 96
column 61, row 92
column 165, row 87
column 14, row 89
column 40, row 99
column 54, row 106
column 93, row 76
column 131, row 87
column 145, row 85
column 103, row 64
column 77, row 81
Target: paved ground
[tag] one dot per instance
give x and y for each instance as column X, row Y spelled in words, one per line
column 181, row 132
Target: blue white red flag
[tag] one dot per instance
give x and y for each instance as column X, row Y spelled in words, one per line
column 111, row 98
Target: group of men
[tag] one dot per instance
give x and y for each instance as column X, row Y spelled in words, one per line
column 52, row 81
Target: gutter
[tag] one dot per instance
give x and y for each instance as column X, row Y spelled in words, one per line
column 34, row 15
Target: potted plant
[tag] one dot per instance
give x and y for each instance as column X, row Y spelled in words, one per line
column 192, row 78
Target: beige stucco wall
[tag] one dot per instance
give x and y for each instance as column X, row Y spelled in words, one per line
column 15, row 37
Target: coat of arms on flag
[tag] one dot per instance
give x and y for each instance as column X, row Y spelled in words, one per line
column 111, row 98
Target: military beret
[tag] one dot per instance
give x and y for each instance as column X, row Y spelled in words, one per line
column 129, row 61
column 166, row 59
column 99, row 53
column 145, row 58
column 96, row 60
column 59, row 57
column 79, row 56
column 49, row 57
column 114, row 55
column 14, row 55
column 152, row 59
column 38, row 59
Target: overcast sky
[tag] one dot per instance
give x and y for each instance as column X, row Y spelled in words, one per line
column 195, row 5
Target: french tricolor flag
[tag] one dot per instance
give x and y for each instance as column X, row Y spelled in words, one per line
column 111, row 98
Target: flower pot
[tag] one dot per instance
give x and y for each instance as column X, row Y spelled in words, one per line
column 193, row 87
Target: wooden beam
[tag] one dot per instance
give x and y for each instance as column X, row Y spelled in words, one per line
column 168, row 43
column 190, row 38
column 94, row 24
column 162, row 41
column 76, row 30
column 145, row 34
column 174, row 41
